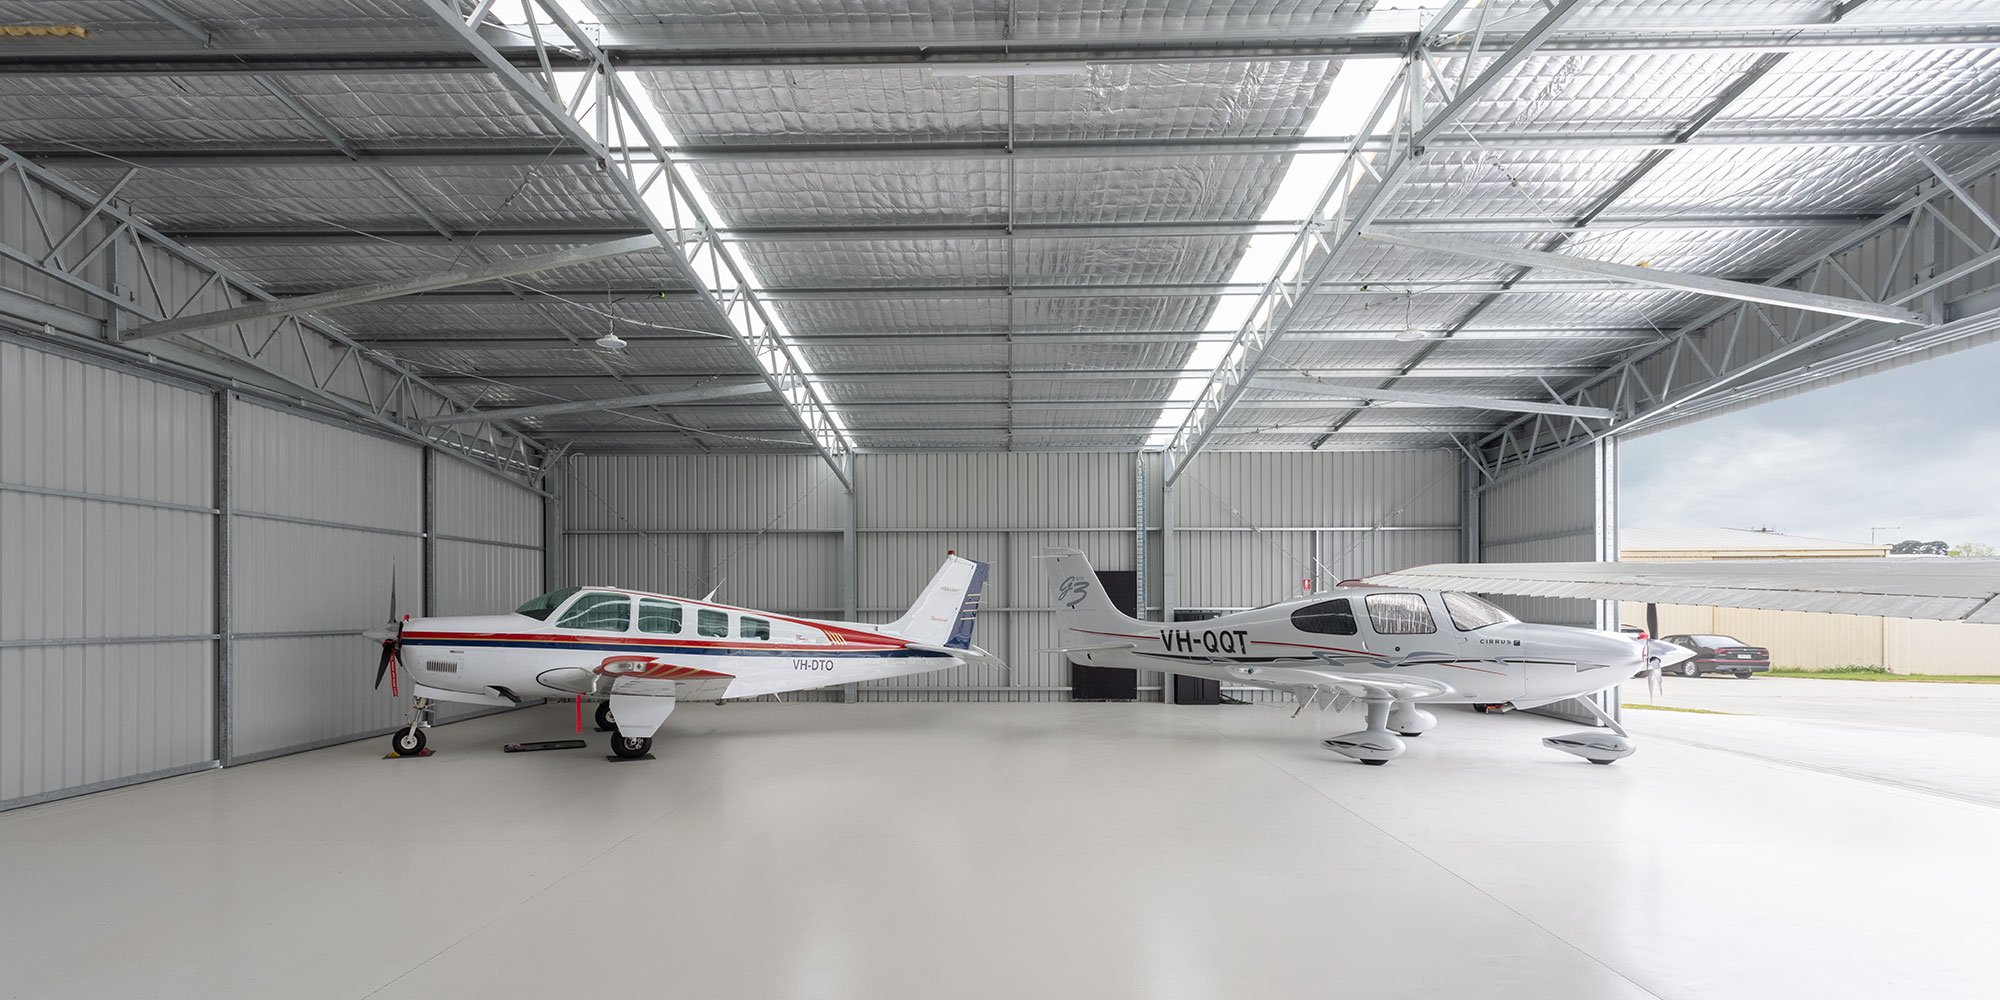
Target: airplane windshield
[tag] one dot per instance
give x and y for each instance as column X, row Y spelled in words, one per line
column 542, row 607
column 1469, row 612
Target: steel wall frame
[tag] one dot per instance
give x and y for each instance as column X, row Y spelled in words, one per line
column 226, row 511
column 128, row 268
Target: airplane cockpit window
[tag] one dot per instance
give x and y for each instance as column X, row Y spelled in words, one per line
column 1327, row 618
column 1400, row 614
column 659, row 617
column 542, row 607
column 1469, row 612
column 599, row 613
column 754, row 628
column 712, row 623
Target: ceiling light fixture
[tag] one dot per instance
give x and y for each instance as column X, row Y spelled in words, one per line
column 611, row 342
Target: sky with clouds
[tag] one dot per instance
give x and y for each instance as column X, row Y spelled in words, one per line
column 1917, row 449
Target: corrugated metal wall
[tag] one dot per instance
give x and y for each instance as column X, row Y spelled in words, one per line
column 323, row 517
column 107, row 586
column 488, row 539
column 768, row 530
column 1253, row 528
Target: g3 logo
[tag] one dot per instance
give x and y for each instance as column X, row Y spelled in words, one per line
column 1072, row 591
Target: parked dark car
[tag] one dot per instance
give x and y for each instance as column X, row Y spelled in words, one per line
column 1721, row 654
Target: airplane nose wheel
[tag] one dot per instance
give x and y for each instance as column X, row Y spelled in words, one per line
column 631, row 747
column 408, row 742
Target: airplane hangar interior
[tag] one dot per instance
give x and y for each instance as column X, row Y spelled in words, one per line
column 997, row 498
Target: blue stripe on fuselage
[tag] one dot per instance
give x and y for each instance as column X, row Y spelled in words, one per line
column 621, row 647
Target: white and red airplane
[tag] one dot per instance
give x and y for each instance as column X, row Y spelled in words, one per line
column 639, row 654
column 1386, row 647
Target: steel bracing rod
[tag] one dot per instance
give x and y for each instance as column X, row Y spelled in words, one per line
column 1643, row 393
column 911, row 148
column 398, row 288
column 343, row 51
column 729, row 390
column 1290, row 285
column 1677, row 281
column 330, row 367
column 1415, row 397
column 685, row 228
column 848, row 404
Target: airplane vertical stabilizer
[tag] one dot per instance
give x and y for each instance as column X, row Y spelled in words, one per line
column 948, row 607
column 1076, row 594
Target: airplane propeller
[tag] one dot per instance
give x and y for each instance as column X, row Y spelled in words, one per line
column 1652, row 678
column 390, row 635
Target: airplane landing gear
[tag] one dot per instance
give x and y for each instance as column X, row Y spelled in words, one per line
column 1406, row 719
column 1595, row 747
column 605, row 723
column 631, row 747
column 409, row 741
column 1373, row 745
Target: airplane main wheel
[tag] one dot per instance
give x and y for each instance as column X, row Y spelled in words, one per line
column 631, row 747
column 407, row 742
column 604, row 716
column 1377, row 763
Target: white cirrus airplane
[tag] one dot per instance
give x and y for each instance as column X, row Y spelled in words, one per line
column 639, row 654
column 1420, row 635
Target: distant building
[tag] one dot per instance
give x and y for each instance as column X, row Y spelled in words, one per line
column 1803, row 639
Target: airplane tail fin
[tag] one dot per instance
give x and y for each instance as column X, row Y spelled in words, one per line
column 948, row 607
column 1079, row 600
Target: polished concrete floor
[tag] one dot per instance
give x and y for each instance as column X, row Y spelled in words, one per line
column 1017, row 851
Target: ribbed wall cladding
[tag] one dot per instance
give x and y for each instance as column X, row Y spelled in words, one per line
column 78, row 574
column 1546, row 515
column 489, row 554
column 332, row 578
column 684, row 523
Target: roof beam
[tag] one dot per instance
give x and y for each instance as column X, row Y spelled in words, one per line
column 731, row 390
column 440, row 340
column 839, row 233
column 1421, row 398
column 392, row 289
column 893, row 149
column 1674, row 280
column 542, row 378
column 632, row 295
column 1382, row 34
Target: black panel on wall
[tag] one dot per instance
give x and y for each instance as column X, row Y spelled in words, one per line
column 1196, row 690
column 1088, row 683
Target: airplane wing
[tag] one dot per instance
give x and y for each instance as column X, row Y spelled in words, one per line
column 1284, row 673
column 1940, row 589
